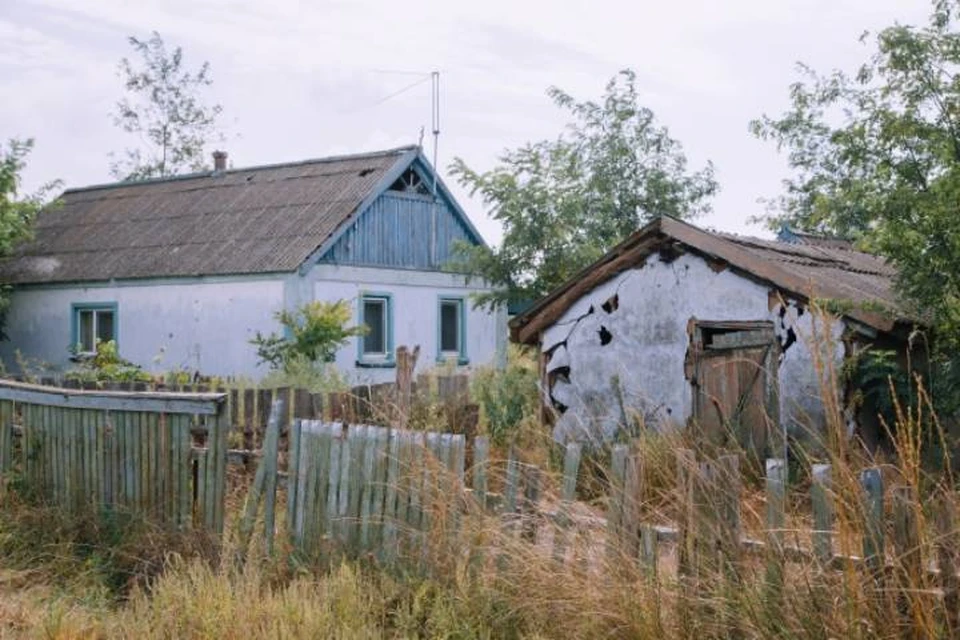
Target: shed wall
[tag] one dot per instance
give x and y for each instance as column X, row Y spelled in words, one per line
column 640, row 369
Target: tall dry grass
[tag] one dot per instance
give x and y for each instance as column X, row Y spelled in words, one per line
column 479, row 577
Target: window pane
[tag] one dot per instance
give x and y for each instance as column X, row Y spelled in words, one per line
column 85, row 330
column 375, row 341
column 450, row 327
column 105, row 326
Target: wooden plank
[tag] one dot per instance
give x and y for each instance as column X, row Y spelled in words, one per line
column 271, row 449
column 821, row 498
column 337, row 444
column 294, row 480
column 414, row 483
column 379, row 480
column 221, row 428
column 367, row 487
column 306, row 514
column 350, row 486
column 632, row 499
column 195, row 403
column 188, row 471
column 391, row 497
column 618, row 466
column 6, row 438
column 481, row 455
column 321, row 487
column 511, row 483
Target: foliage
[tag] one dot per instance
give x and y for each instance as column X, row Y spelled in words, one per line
column 165, row 110
column 300, row 373
column 876, row 156
column 17, row 211
column 313, row 333
column 880, row 381
column 563, row 203
column 509, row 397
column 107, row 366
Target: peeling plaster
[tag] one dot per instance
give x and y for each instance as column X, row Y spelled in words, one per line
column 627, row 339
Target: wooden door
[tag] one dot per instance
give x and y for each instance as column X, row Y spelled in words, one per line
column 734, row 385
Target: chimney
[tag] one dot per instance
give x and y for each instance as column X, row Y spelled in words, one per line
column 219, row 160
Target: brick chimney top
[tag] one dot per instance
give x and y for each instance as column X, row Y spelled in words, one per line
column 219, row 160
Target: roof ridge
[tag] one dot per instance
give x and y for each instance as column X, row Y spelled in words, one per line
column 276, row 165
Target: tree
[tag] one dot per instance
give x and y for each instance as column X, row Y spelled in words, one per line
column 565, row 202
column 876, row 156
column 164, row 108
column 312, row 335
column 17, row 211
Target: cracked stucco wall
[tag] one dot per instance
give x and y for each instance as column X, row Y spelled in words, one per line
column 623, row 346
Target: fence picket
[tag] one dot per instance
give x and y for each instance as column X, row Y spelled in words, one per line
column 821, row 498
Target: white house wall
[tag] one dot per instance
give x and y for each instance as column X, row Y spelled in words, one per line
column 641, row 366
column 415, row 298
column 200, row 326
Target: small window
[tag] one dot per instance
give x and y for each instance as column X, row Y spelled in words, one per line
column 375, row 313
column 452, row 330
column 93, row 324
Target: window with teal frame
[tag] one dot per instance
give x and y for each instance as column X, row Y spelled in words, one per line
column 451, row 330
column 375, row 348
column 92, row 323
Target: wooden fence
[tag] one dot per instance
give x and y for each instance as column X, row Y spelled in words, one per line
column 161, row 455
column 248, row 407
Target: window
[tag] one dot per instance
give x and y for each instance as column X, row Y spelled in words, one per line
column 452, row 331
column 93, row 323
column 376, row 346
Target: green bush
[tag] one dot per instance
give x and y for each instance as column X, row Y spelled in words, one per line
column 508, row 397
column 106, row 365
column 312, row 333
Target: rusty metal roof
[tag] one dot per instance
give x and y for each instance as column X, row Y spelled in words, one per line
column 240, row 221
column 862, row 282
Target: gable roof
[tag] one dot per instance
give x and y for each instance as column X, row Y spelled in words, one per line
column 825, row 271
column 263, row 219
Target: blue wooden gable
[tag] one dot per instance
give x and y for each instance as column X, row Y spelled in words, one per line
column 402, row 225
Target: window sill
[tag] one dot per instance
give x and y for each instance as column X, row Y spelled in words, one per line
column 376, row 364
column 460, row 361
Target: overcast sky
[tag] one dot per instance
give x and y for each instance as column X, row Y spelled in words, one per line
column 306, row 79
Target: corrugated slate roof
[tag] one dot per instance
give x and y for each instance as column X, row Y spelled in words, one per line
column 822, row 270
column 255, row 220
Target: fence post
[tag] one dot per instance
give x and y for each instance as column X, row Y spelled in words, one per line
column 873, row 544
column 481, row 453
column 531, row 498
column 686, row 474
column 910, row 573
column 948, row 559
column 618, row 465
column 776, row 470
column 821, row 498
column 571, row 465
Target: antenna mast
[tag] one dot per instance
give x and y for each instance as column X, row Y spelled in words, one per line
column 435, row 109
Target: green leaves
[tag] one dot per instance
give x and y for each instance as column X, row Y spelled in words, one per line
column 876, row 157
column 563, row 203
column 17, row 211
column 164, row 109
column 312, row 333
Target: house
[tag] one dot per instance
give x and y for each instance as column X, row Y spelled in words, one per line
column 677, row 325
column 183, row 271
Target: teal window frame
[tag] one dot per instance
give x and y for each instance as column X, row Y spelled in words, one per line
column 386, row 359
column 461, row 353
column 77, row 307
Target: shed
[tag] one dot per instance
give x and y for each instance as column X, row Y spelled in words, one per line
column 739, row 337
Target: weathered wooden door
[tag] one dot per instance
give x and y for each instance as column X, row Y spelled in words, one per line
column 734, row 383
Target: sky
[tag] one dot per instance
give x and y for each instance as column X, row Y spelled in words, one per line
column 301, row 80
